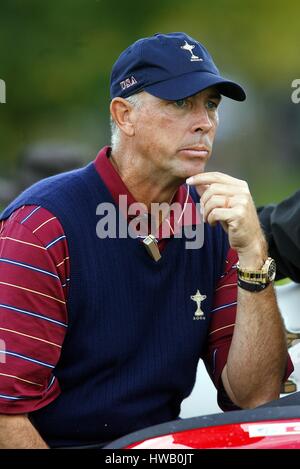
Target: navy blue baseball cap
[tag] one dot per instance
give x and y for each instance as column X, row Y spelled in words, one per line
column 169, row 66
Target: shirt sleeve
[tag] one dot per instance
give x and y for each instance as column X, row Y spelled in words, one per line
column 34, row 276
column 221, row 330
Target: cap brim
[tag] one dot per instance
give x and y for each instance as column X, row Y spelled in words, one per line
column 192, row 83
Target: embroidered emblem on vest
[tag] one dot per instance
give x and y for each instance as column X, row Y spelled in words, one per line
column 198, row 298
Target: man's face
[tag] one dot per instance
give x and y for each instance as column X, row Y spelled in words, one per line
column 176, row 137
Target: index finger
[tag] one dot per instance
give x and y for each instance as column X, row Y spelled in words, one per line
column 210, row 178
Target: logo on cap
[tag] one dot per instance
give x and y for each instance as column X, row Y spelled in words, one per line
column 190, row 48
column 128, row 83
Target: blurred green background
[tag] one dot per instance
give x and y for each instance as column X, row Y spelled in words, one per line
column 56, row 57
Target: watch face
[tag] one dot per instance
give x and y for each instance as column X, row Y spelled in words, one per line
column 272, row 270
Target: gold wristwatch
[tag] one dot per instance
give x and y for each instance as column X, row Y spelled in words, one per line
column 257, row 280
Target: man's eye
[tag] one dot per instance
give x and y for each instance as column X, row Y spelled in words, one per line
column 181, row 103
column 211, row 105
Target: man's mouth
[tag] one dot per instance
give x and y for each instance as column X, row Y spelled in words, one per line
column 196, row 151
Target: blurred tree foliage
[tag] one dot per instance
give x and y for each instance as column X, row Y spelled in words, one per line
column 56, row 57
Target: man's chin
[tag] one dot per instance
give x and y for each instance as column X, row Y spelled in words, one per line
column 192, row 172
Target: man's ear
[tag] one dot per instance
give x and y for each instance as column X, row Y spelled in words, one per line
column 121, row 112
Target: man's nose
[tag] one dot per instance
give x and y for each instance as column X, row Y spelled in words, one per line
column 202, row 121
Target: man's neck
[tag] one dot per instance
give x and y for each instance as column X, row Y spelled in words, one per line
column 145, row 184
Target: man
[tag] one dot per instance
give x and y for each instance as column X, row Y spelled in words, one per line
column 103, row 333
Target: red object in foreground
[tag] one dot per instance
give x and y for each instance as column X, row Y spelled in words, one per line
column 273, row 426
column 278, row 434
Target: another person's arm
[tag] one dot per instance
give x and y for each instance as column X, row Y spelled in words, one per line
column 281, row 225
column 258, row 347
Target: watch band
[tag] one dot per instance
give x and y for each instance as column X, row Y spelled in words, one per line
column 264, row 276
column 252, row 287
column 253, row 277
